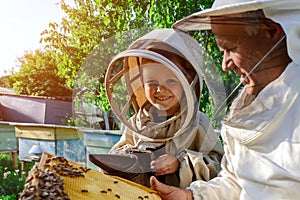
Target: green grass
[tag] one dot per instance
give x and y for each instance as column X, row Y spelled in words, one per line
column 11, row 180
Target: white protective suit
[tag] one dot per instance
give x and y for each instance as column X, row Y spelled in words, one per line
column 261, row 140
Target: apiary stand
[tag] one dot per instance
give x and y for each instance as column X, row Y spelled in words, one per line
column 8, row 141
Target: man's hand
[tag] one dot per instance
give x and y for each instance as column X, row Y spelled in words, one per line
column 165, row 164
column 167, row 192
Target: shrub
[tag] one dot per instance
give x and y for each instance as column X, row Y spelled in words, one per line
column 12, row 180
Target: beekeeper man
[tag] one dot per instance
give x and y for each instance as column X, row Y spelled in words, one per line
column 260, row 41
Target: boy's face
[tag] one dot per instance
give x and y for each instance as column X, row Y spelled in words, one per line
column 163, row 89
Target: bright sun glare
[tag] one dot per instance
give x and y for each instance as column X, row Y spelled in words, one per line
column 22, row 21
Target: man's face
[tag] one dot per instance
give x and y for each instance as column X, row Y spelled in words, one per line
column 163, row 89
column 243, row 47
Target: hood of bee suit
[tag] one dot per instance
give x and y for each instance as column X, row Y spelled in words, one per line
column 125, row 71
column 286, row 13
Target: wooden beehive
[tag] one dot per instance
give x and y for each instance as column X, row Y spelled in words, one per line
column 58, row 140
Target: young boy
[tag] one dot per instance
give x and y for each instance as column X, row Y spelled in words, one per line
column 160, row 114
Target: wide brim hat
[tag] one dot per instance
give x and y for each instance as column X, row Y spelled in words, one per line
column 201, row 20
column 286, row 13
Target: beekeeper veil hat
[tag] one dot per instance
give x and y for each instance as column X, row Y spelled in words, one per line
column 124, row 83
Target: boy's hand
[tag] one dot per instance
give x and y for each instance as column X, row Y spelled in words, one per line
column 165, row 164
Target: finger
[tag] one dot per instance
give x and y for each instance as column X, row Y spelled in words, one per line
column 154, row 183
column 163, row 189
column 152, row 166
column 158, row 186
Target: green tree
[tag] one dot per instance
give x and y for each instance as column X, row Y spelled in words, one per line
column 38, row 76
column 92, row 21
column 85, row 27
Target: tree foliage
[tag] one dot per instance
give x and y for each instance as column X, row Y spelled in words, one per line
column 38, row 76
column 90, row 22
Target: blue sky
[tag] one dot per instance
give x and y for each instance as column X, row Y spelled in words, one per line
column 21, row 22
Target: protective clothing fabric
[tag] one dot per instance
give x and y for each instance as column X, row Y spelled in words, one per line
column 261, row 143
